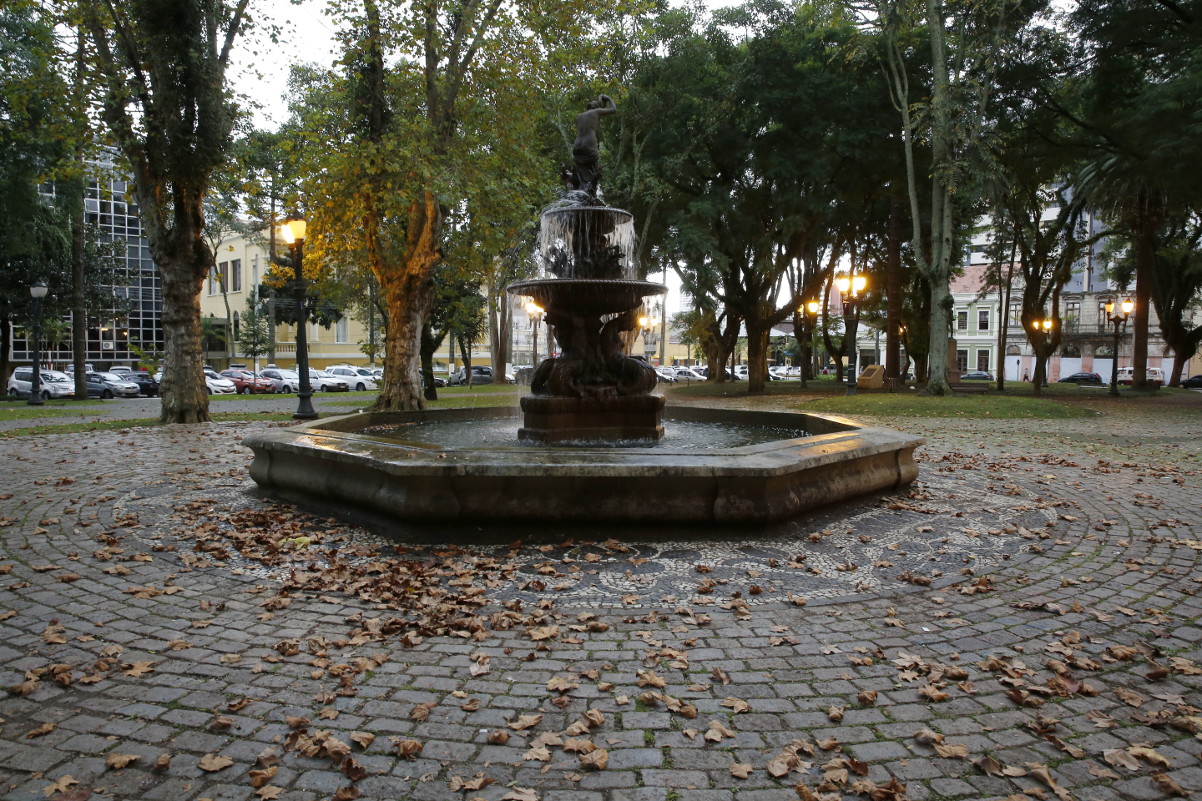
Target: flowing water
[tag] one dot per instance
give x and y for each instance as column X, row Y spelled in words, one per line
column 500, row 433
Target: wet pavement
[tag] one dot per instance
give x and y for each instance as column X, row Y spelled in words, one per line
column 1022, row 622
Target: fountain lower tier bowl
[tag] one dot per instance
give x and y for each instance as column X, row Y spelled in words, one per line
column 336, row 463
column 587, row 296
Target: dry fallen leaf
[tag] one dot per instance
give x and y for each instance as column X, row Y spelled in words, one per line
column 60, row 785
column 45, row 728
column 1168, row 786
column 525, row 722
column 595, row 760
column 741, row 770
column 118, row 761
column 409, row 749
column 213, row 763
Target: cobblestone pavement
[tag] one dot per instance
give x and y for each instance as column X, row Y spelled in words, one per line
column 1022, row 622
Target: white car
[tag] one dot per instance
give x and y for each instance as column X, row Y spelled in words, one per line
column 359, row 379
column 218, row 385
column 54, row 384
column 688, row 374
column 284, row 380
column 322, row 381
column 666, row 374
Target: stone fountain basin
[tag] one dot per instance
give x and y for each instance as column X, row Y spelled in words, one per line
column 332, row 461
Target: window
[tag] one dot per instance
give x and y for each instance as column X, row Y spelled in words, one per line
column 236, row 333
column 962, row 321
column 213, row 280
column 962, row 360
column 983, row 360
column 236, row 275
column 982, row 319
column 340, row 330
column 1016, row 314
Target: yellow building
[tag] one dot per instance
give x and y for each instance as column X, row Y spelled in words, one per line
column 240, row 264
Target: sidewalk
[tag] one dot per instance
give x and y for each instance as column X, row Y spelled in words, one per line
column 1023, row 621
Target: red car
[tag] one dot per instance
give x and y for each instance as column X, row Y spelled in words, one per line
column 247, row 383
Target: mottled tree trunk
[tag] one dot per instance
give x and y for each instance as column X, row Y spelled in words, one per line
column 184, row 392
column 757, row 357
column 407, row 290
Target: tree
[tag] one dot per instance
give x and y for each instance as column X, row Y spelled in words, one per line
column 162, row 66
column 943, row 101
column 432, row 117
column 257, row 330
column 1140, row 107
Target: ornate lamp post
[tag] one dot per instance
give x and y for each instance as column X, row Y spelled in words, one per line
column 535, row 313
column 293, row 234
column 648, row 324
column 1041, row 329
column 1118, row 318
column 809, row 321
column 37, row 292
column 851, row 287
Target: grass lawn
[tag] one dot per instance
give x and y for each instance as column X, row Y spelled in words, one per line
column 1017, row 401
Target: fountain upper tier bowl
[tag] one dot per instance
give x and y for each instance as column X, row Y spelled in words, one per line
column 585, row 296
column 335, row 460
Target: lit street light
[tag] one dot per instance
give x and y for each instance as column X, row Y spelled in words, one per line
column 37, row 292
column 535, row 313
column 809, row 321
column 1118, row 318
column 648, row 324
column 850, row 288
column 293, row 234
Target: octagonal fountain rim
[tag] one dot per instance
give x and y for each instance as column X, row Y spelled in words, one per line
column 747, row 484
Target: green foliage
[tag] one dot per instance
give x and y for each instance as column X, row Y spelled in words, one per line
column 256, row 328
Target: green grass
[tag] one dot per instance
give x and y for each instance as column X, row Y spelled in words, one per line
column 996, row 407
column 825, row 395
column 146, row 422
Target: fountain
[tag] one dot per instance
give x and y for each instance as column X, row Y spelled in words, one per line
column 589, row 445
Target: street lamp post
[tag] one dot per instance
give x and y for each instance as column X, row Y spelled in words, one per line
column 535, row 313
column 850, row 288
column 37, row 292
column 293, row 234
column 1118, row 318
column 648, row 324
column 1041, row 329
column 809, row 321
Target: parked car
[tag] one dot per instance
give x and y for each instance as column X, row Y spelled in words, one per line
column 282, row 380
column 146, row 384
column 688, row 374
column 53, row 384
column 480, row 375
column 120, row 370
column 1193, row 382
column 357, row 378
column 1155, row 375
column 218, row 385
column 665, row 374
column 322, row 381
column 1081, row 378
column 111, row 385
column 977, row 375
column 247, row 383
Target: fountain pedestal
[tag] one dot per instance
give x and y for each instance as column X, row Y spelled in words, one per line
column 558, row 419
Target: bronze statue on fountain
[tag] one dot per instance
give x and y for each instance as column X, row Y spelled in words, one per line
column 591, row 292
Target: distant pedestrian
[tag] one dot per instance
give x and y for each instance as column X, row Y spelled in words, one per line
column 1026, row 376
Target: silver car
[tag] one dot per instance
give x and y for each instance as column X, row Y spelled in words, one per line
column 111, row 385
column 357, row 378
column 284, row 380
column 54, row 384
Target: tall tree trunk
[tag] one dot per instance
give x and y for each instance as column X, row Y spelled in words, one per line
column 1145, row 253
column 893, row 292
column 757, row 357
column 79, row 311
column 185, row 399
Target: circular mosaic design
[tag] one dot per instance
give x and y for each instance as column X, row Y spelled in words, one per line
column 944, row 527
